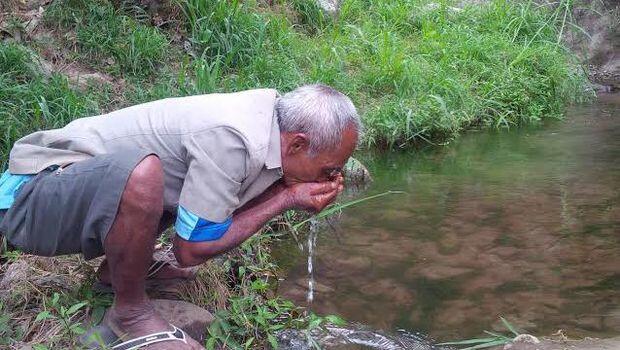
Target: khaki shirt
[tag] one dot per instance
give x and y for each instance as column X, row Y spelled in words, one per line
column 218, row 151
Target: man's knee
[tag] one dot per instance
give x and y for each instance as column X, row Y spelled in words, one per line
column 145, row 186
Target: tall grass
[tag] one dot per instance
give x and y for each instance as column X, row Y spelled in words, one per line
column 30, row 101
column 109, row 40
column 420, row 71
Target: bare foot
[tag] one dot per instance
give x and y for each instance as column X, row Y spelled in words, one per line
column 166, row 271
column 141, row 319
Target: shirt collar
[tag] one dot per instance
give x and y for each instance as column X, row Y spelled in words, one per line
column 274, row 153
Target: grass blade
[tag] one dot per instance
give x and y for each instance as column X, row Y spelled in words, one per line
column 337, row 207
column 509, row 326
column 470, row 341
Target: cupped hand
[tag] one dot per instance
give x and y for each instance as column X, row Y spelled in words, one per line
column 314, row 196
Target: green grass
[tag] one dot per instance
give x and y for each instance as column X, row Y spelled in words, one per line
column 30, row 101
column 417, row 72
column 108, row 38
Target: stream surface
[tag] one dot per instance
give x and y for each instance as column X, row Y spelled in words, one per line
column 521, row 223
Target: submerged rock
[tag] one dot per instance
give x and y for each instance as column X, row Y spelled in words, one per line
column 334, row 337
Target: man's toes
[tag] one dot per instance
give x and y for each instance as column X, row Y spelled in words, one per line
column 167, row 345
column 194, row 344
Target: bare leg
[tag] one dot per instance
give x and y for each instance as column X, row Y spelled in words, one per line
column 129, row 250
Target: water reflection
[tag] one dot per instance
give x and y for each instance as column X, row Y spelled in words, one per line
column 522, row 223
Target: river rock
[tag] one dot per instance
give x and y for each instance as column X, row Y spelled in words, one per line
column 317, row 287
column 356, row 173
column 193, row 319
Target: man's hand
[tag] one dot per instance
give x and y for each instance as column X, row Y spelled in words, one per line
column 314, row 196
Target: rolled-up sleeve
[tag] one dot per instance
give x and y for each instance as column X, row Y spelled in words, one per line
column 217, row 162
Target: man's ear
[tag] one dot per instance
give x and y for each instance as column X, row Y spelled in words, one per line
column 299, row 143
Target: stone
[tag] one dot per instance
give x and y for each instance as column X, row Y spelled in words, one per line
column 526, row 338
column 193, row 319
column 329, row 6
column 356, row 173
column 318, row 286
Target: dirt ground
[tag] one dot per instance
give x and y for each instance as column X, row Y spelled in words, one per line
column 556, row 344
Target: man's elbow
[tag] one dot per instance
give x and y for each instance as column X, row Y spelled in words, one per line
column 188, row 258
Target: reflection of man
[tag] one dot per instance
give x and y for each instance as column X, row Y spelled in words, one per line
column 222, row 164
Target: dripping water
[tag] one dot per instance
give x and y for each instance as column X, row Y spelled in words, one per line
column 314, row 228
column 311, row 248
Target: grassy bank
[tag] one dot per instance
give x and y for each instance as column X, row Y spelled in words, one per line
column 419, row 71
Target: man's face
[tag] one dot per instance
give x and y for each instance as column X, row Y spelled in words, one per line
column 298, row 166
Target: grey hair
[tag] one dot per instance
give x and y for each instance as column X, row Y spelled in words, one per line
column 320, row 112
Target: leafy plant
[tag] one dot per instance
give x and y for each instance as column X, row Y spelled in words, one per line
column 64, row 314
column 252, row 322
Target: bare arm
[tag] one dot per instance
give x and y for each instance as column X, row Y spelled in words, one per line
column 250, row 218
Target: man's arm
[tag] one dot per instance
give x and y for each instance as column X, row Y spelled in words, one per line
column 250, row 218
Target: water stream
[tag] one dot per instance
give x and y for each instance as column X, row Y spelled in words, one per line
column 311, row 244
column 521, row 223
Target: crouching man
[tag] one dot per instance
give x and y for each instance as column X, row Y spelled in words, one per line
column 219, row 166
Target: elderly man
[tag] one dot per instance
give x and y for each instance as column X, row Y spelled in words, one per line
column 221, row 164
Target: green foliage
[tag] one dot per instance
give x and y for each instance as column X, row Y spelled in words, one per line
column 311, row 16
column 250, row 321
column 225, row 29
column 419, row 71
column 57, row 311
column 30, row 101
column 253, row 314
column 108, row 39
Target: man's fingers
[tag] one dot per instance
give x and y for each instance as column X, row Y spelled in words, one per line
column 324, row 187
column 327, row 198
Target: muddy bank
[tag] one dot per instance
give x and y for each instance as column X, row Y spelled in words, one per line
column 600, row 47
